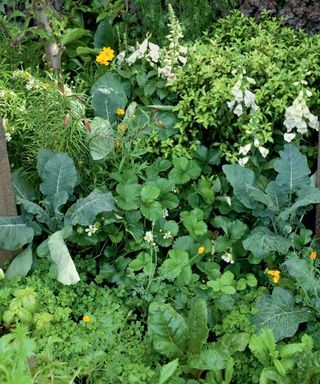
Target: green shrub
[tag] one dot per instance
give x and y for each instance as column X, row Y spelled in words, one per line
column 281, row 62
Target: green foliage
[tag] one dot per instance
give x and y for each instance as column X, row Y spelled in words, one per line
column 279, row 313
column 108, row 94
column 239, row 45
column 278, row 205
column 59, row 177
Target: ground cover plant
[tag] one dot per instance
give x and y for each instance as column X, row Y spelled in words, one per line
column 166, row 198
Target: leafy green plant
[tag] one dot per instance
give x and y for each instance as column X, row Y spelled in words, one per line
column 280, row 360
column 279, row 204
column 185, row 341
column 59, row 177
column 240, row 46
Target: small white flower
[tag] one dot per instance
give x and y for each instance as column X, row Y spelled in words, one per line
column 256, row 143
column 167, row 235
column 243, row 161
column 227, row 257
column 2, row 276
column 264, row 151
column 174, row 190
column 244, row 150
column 165, row 213
column 228, row 200
column 91, row 229
column 8, row 136
column 149, row 237
column 288, row 137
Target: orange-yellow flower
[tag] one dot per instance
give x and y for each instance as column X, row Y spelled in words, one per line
column 122, row 127
column 275, row 274
column 313, row 255
column 120, row 111
column 86, row 319
column 200, row 250
column 105, row 56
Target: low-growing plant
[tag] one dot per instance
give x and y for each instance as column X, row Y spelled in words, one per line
column 59, row 177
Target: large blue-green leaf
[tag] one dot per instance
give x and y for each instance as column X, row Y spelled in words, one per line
column 306, row 196
column 277, row 197
column 59, row 175
column 14, row 233
column 301, row 270
column 21, row 264
column 44, row 155
column 101, row 142
column 279, row 313
column 242, row 181
column 60, row 257
column 35, row 209
column 108, row 94
column 292, row 168
column 167, row 330
column 85, row 210
column 261, row 242
column 23, row 188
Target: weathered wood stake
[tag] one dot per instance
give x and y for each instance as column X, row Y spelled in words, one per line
column 7, row 200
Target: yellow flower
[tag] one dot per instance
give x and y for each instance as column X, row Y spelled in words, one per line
column 117, row 144
column 86, row 319
column 105, row 56
column 120, row 111
column 200, row 250
column 122, row 127
column 313, row 255
column 275, row 274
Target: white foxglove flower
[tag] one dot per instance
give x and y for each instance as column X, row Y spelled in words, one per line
column 243, row 161
column 183, row 49
column 238, row 110
column 288, row 137
column 120, row 58
column 244, row 150
column 308, row 93
column 264, row 151
column 230, row 104
column 313, row 121
column 256, row 143
column 154, row 52
column 249, row 98
column 182, row 59
column 250, row 80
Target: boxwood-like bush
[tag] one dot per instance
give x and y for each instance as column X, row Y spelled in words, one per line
column 281, row 61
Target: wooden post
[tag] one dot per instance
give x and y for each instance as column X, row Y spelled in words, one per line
column 7, row 200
